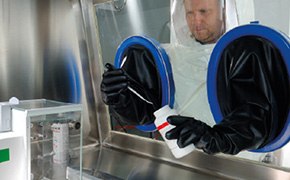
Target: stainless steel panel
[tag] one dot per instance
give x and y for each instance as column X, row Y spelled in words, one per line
column 43, row 54
column 113, row 164
column 226, row 166
column 17, row 44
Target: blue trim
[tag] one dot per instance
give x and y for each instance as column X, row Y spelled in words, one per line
column 280, row 40
column 163, row 66
column 74, row 79
column 75, row 84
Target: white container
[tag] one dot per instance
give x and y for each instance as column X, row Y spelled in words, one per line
column 60, row 133
column 163, row 126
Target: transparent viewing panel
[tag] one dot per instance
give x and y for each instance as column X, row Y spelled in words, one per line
column 117, row 20
column 166, row 22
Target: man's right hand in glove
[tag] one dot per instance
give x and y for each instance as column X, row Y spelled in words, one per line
column 114, row 86
column 244, row 128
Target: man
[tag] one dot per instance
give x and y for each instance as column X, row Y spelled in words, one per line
column 197, row 25
column 202, row 22
column 205, row 19
column 249, row 120
column 245, row 126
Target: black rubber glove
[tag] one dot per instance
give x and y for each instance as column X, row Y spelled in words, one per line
column 114, row 86
column 188, row 130
column 124, row 105
column 243, row 129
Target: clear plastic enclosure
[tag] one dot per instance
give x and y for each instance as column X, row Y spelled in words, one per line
column 53, row 136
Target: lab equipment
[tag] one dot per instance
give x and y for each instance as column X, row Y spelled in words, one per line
column 35, row 150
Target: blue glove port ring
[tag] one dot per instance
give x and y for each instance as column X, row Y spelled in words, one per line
column 278, row 39
column 163, row 66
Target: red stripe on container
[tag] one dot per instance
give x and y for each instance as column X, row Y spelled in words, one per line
column 163, row 125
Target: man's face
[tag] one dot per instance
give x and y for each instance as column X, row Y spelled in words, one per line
column 204, row 19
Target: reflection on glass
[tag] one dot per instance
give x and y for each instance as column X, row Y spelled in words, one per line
column 136, row 17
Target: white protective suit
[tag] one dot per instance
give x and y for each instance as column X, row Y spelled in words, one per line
column 189, row 60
